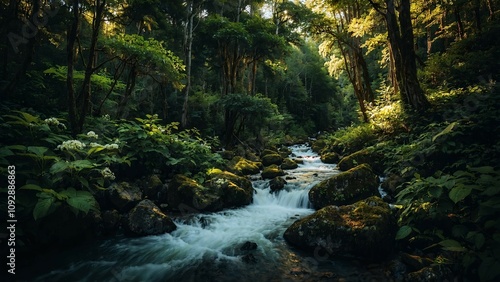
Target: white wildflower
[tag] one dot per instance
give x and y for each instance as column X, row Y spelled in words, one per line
column 71, row 145
column 106, row 117
column 91, row 134
column 93, row 145
column 107, row 173
column 111, row 146
column 52, row 121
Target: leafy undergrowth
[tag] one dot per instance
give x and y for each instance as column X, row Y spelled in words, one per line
column 58, row 176
column 447, row 162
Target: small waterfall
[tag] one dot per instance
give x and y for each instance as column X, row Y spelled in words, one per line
column 207, row 247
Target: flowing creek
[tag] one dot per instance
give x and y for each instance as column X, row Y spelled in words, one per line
column 208, row 247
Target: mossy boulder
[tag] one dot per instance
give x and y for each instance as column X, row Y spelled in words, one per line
column 365, row 229
column 271, row 159
column 272, row 171
column 345, row 188
column 276, row 184
column 124, row 196
column 185, row 193
column 223, row 190
column 330, row 158
column 268, row 152
column 147, row 219
column 242, row 166
column 318, row 145
column 289, row 164
column 365, row 156
column 227, row 154
column 235, row 191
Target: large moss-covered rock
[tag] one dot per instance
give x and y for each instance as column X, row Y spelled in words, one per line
column 242, row 166
column 234, row 190
column 365, row 229
column 345, row 188
column 124, row 195
column 330, row 158
column 271, row 159
column 289, row 164
column 222, row 190
column 147, row 219
column 365, row 156
column 272, row 171
column 185, row 193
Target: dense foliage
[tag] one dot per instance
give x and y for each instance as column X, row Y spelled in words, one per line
column 95, row 92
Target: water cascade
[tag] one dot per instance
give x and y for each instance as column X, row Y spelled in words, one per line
column 206, row 247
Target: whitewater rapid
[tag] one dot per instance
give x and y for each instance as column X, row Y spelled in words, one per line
column 207, row 247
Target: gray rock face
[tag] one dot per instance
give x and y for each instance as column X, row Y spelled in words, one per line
column 365, row 229
column 147, row 219
column 124, row 195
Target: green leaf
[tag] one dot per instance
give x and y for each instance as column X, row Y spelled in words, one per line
column 31, row 187
column 459, row 193
column 59, row 167
column 39, row 151
column 483, row 169
column 435, row 191
column 82, row 201
column 403, row 232
column 42, row 207
column 452, row 245
column 447, row 130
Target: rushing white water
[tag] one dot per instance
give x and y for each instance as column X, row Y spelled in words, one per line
column 207, row 247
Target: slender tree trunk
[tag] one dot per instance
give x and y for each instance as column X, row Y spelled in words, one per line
column 86, row 90
column 491, row 10
column 460, row 25
column 70, row 56
column 188, row 42
column 129, row 89
column 477, row 14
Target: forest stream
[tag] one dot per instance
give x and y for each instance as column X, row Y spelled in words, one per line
column 244, row 244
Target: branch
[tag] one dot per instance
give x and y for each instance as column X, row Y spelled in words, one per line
column 377, row 7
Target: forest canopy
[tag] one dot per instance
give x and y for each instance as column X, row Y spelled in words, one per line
column 97, row 90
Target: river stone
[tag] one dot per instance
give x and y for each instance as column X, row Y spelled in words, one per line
column 272, row 171
column 242, row 166
column 147, row 219
column 185, row 194
column 345, row 188
column 289, row 164
column 233, row 190
column 124, row 195
column 154, row 189
column 365, row 156
column 365, row 229
column 276, row 184
column 271, row 159
column 330, row 158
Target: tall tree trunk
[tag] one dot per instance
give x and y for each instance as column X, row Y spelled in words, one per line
column 460, row 25
column 188, row 43
column 86, row 90
column 401, row 42
column 70, row 57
